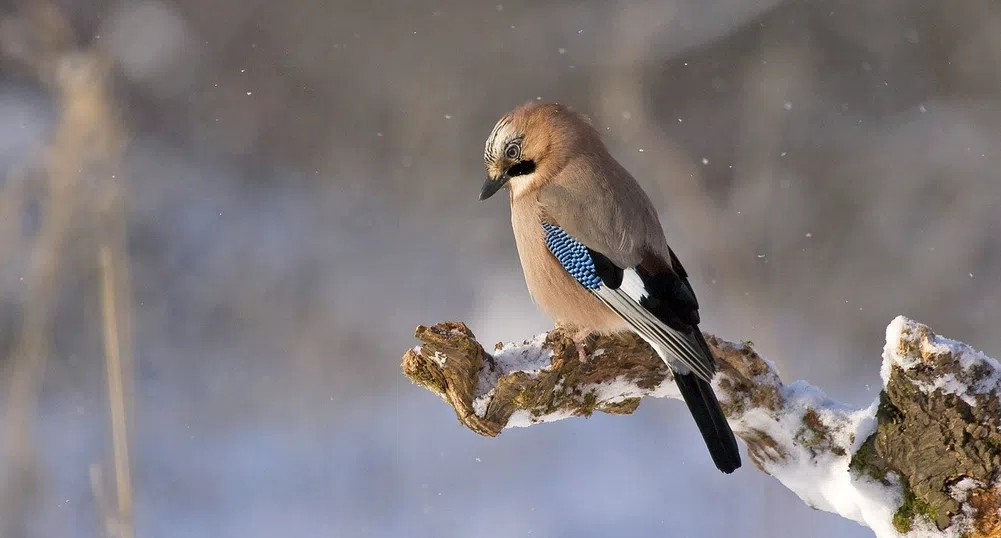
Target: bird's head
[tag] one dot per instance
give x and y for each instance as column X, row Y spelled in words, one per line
column 530, row 144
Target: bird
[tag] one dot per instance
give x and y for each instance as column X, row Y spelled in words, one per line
column 594, row 255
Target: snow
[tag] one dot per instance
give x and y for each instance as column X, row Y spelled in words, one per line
column 481, row 402
column 968, row 358
column 622, row 388
column 891, row 355
column 902, row 328
column 820, row 477
column 961, row 489
column 948, row 384
column 530, row 357
column 523, row 419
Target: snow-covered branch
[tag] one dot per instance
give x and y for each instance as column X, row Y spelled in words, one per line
column 922, row 460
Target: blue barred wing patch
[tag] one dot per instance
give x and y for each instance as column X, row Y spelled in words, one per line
column 573, row 256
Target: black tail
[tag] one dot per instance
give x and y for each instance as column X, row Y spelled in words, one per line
column 709, row 417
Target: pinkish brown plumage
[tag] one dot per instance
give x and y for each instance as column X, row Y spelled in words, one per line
column 594, row 254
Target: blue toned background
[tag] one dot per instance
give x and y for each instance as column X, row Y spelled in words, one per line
column 302, row 182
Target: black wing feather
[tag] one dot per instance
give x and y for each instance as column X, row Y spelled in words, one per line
column 673, row 301
column 670, row 295
column 608, row 272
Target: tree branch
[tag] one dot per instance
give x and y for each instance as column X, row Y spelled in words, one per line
column 925, row 455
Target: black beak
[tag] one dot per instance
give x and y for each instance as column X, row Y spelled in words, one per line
column 491, row 185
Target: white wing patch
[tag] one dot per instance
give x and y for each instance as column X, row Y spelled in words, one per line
column 632, row 284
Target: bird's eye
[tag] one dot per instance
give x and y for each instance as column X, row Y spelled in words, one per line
column 512, row 151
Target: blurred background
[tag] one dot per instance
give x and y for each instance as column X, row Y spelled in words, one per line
column 221, row 221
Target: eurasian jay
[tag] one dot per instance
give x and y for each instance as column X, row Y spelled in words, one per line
column 593, row 252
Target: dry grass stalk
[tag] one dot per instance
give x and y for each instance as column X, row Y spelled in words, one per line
column 80, row 190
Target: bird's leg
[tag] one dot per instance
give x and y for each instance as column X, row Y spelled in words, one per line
column 581, row 339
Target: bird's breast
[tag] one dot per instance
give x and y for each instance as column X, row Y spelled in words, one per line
column 558, row 294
